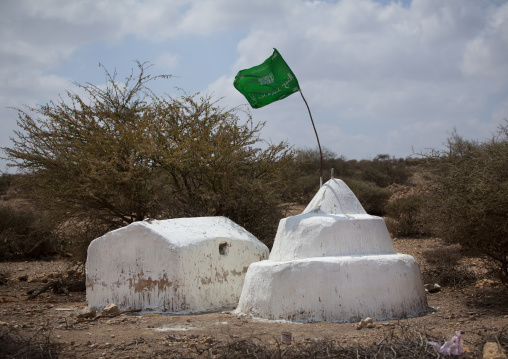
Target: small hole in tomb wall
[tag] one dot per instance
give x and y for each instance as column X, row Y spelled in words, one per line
column 223, row 248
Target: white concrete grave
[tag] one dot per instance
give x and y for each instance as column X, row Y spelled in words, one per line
column 183, row 265
column 334, row 262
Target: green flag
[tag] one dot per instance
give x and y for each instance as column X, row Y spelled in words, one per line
column 271, row 81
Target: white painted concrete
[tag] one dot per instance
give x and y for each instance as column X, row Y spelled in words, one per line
column 333, row 262
column 318, row 235
column 334, row 289
column 335, row 197
column 183, row 265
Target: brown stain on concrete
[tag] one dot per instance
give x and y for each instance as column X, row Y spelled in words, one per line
column 140, row 284
column 243, row 271
column 205, row 281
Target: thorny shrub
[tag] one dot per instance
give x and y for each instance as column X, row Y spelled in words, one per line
column 399, row 341
column 17, row 345
column 372, row 197
column 24, row 233
column 120, row 154
column 468, row 201
column 445, row 268
column 404, row 216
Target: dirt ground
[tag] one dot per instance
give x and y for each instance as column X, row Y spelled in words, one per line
column 478, row 308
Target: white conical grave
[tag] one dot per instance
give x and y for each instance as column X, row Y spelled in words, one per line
column 335, row 197
column 333, row 263
column 333, row 224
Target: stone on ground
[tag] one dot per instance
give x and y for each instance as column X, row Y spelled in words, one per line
column 492, row 350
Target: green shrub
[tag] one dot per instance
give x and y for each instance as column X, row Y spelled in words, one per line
column 374, row 175
column 5, row 182
column 25, row 234
column 309, row 185
column 116, row 154
column 445, row 268
column 383, row 170
column 468, row 203
column 308, row 171
column 372, row 197
column 404, row 216
column 366, row 178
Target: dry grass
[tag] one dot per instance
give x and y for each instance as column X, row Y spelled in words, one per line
column 401, row 341
column 451, row 266
column 14, row 345
column 4, row 277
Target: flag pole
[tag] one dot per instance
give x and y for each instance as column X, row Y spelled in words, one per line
column 319, row 145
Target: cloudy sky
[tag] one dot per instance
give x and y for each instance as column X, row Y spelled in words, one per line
column 380, row 76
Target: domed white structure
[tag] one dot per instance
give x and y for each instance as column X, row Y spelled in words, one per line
column 333, row 262
column 183, row 265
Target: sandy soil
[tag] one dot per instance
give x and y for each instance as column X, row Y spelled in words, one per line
column 479, row 309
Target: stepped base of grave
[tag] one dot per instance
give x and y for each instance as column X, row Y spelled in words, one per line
column 334, row 289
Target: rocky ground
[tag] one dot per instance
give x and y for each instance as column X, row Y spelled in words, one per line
column 48, row 325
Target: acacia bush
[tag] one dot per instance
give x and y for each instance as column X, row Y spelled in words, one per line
column 405, row 216
column 123, row 154
column 468, row 201
column 24, row 233
column 6, row 181
column 308, row 165
column 384, row 170
column 445, row 267
column 372, row 197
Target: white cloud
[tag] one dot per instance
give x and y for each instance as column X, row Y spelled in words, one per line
column 167, row 61
column 486, row 55
column 500, row 111
column 379, row 76
column 402, row 66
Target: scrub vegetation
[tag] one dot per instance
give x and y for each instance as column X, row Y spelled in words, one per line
column 119, row 154
column 95, row 162
column 467, row 201
column 109, row 156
